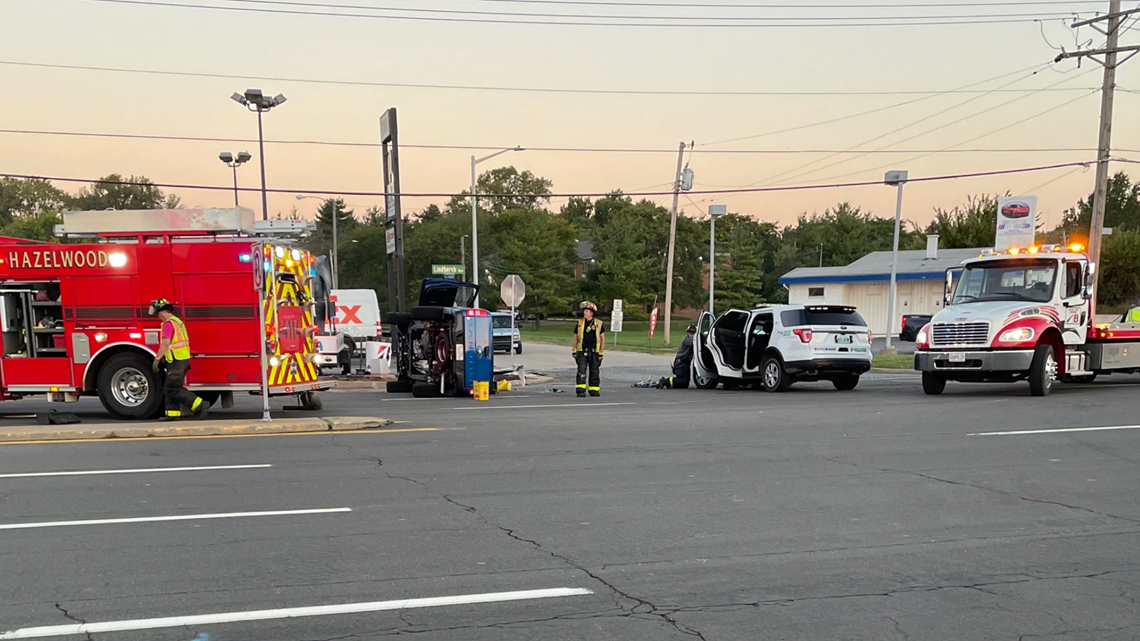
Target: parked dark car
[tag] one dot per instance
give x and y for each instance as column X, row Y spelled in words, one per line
column 911, row 323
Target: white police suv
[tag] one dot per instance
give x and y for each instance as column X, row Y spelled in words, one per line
column 774, row 346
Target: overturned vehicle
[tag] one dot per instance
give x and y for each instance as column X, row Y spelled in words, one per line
column 443, row 345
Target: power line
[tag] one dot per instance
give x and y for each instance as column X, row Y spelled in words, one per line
column 793, row 170
column 880, row 109
column 765, row 5
column 553, row 90
column 597, row 150
column 597, row 16
column 325, row 192
column 861, row 22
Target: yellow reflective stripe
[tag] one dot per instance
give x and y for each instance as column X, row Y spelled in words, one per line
column 595, row 389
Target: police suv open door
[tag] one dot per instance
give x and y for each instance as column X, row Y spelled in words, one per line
column 704, row 369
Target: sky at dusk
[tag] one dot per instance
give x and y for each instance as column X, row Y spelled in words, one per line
column 1060, row 111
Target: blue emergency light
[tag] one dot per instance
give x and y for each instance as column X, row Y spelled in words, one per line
column 245, row 258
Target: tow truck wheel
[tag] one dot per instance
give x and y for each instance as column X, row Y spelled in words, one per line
column 129, row 389
column 1043, row 371
column 933, row 384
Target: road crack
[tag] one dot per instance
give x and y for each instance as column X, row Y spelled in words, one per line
column 70, row 617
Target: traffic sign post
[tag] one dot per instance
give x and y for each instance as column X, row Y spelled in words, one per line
column 512, row 291
column 257, row 259
column 617, row 318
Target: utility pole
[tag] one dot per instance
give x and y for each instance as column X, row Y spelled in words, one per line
column 1108, row 90
column 672, row 243
column 463, row 254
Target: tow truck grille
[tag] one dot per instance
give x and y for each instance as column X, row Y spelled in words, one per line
column 946, row 334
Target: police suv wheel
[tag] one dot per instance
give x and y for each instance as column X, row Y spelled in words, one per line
column 775, row 379
column 129, row 389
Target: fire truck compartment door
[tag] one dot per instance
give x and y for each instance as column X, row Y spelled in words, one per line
column 290, row 332
column 22, row 372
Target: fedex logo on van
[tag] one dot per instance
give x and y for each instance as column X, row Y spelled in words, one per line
column 348, row 315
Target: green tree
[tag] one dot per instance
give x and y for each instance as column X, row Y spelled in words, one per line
column 973, row 224
column 115, row 192
column 1119, row 283
column 30, row 197
column 742, row 247
column 1121, row 209
column 540, row 248
column 39, row 226
column 322, row 238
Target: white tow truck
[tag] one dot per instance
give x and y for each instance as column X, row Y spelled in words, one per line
column 1023, row 314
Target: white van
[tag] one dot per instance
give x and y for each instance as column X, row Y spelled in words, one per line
column 356, row 313
column 354, row 319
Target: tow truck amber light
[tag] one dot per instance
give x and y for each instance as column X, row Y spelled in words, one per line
column 117, row 260
column 1034, row 250
column 804, row 334
column 1076, row 248
column 1017, row 335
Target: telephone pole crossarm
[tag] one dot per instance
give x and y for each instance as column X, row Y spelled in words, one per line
column 1098, row 52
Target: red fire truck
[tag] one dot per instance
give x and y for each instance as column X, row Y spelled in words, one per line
column 73, row 315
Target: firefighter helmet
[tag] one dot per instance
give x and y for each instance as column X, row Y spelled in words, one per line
column 161, row 304
column 589, row 305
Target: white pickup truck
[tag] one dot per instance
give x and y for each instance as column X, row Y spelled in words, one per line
column 1023, row 314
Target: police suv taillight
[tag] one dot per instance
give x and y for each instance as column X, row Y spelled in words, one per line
column 804, row 334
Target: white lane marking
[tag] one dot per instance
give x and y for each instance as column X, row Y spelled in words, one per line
column 538, row 407
column 138, row 471
column 180, row 517
column 287, row 613
column 1060, row 430
column 414, row 400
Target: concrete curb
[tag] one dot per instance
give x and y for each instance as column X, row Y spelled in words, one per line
column 202, row 428
column 887, row 370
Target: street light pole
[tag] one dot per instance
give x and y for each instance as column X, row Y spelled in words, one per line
column 475, row 216
column 896, row 178
column 257, row 102
column 335, row 244
column 233, row 162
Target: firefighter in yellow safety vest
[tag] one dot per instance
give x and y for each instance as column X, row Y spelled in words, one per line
column 174, row 353
column 589, row 349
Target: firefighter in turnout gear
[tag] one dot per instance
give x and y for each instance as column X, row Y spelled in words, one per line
column 589, row 349
column 682, row 364
column 174, row 354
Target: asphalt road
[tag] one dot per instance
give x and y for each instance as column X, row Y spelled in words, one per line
column 877, row 514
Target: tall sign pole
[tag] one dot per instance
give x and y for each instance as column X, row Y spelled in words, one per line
column 393, row 216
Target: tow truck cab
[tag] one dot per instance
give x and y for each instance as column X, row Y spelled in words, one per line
column 1021, row 314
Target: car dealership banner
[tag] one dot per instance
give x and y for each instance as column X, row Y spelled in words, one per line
column 1016, row 222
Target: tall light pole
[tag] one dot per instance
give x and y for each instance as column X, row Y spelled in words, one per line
column 463, row 253
column 475, row 214
column 683, row 182
column 255, row 101
column 335, row 245
column 898, row 179
column 715, row 211
column 232, row 162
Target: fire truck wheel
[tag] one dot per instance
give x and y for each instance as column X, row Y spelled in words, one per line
column 425, row 390
column 933, row 384
column 1043, row 371
column 129, row 389
column 399, row 387
column 399, row 319
column 429, row 313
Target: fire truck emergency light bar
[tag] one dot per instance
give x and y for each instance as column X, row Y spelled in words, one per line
column 235, row 221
